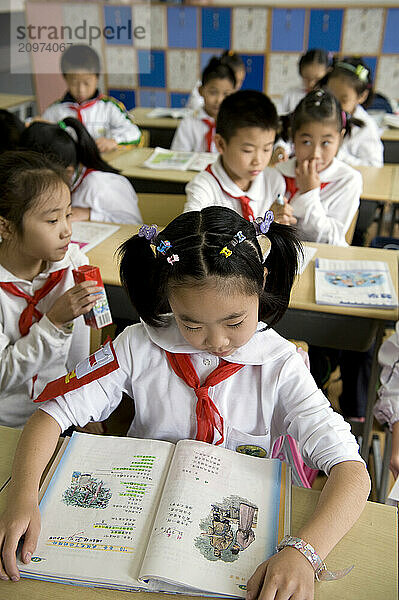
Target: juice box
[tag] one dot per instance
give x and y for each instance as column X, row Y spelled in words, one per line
column 100, row 314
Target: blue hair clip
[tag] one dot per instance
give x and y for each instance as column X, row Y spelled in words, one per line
column 262, row 226
column 149, row 232
column 164, row 246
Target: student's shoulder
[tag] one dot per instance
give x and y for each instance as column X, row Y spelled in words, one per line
column 112, row 103
column 346, row 172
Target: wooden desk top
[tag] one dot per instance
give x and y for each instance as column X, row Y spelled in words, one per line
column 140, row 113
column 371, row 545
column 303, row 292
column 8, row 101
column 395, row 186
column 377, row 182
column 390, row 134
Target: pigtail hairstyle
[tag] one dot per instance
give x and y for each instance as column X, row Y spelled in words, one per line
column 232, row 59
column 54, row 140
column 197, row 238
column 11, row 128
column 217, row 69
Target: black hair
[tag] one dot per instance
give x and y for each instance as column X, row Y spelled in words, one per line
column 233, row 60
column 53, row 140
column 245, row 108
column 11, row 128
column 319, row 105
column 80, row 57
column 356, row 73
column 314, row 55
column 216, row 69
column 197, row 238
column 24, row 176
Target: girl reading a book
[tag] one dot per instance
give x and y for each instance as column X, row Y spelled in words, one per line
column 204, row 363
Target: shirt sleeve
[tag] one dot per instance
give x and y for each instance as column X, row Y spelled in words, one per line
column 53, row 113
column 302, row 411
column 199, row 194
column 365, row 148
column 386, row 409
column 183, row 139
column 328, row 221
column 121, row 127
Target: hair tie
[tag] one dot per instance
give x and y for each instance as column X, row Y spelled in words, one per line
column 262, row 226
column 148, row 231
column 172, row 259
column 62, row 124
column 343, row 117
column 359, row 70
column 236, row 239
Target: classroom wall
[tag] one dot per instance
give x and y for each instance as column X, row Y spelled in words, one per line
column 183, row 38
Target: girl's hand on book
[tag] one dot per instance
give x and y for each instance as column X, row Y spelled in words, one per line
column 22, row 518
column 76, row 301
column 306, row 176
column 285, row 575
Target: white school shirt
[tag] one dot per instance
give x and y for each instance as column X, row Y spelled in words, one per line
column 325, row 214
column 102, row 116
column 191, row 132
column 291, row 99
column 363, row 146
column 110, row 197
column 204, row 190
column 45, row 351
column 195, row 100
column 273, row 394
column 386, row 409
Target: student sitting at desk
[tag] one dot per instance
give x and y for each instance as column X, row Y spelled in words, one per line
column 202, row 364
column 196, row 133
column 99, row 193
column 323, row 191
column 106, row 119
column 240, row 179
column 232, row 60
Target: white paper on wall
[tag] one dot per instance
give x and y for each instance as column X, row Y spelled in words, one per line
column 74, row 15
column 282, row 73
column 250, row 29
column 153, row 19
column 387, row 80
column 182, row 69
column 121, row 65
column 362, row 30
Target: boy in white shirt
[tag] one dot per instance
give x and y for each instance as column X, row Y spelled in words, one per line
column 105, row 118
column 196, row 133
column 240, row 179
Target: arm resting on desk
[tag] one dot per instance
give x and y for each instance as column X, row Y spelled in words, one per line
column 22, row 517
column 340, row 505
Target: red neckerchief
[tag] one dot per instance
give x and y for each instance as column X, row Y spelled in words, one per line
column 208, row 416
column 78, row 108
column 27, row 315
column 210, row 134
column 246, row 210
column 81, row 178
column 291, row 188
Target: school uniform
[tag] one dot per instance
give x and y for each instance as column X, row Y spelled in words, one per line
column 272, row 394
column 213, row 187
column 195, row 133
column 110, row 197
column 102, row 116
column 28, row 362
column 195, row 100
column 291, row 99
column 386, row 409
column 325, row 213
column 363, row 146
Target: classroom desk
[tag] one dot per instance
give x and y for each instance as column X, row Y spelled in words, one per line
column 18, row 103
column 390, row 139
column 161, row 130
column 371, row 545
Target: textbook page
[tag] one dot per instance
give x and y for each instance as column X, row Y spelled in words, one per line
column 218, row 519
column 98, row 510
column 88, row 234
column 354, row 283
column 174, row 113
column 178, row 160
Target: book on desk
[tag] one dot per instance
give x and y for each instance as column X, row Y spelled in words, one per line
column 354, row 283
column 133, row 514
column 162, row 158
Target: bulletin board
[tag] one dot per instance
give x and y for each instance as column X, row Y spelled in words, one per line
column 183, row 38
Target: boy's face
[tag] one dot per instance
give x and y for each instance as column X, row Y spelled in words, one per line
column 81, row 85
column 213, row 93
column 246, row 154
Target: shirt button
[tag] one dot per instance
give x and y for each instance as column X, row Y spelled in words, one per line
column 207, row 362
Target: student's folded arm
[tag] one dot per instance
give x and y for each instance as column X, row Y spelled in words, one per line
column 121, row 127
column 19, row 362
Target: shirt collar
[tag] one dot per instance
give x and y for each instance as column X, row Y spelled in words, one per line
column 69, row 98
column 287, row 169
column 7, row 277
column 255, row 192
column 261, row 348
column 201, row 114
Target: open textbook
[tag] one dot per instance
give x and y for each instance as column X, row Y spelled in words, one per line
column 88, row 234
column 162, row 158
column 133, row 514
column 354, row 283
column 173, row 113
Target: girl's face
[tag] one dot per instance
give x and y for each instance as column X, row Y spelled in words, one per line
column 346, row 94
column 213, row 318
column 213, row 93
column 46, row 226
column 311, row 74
column 319, row 141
